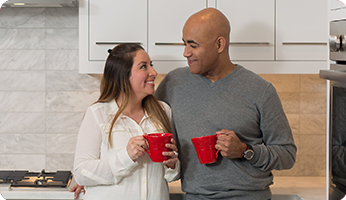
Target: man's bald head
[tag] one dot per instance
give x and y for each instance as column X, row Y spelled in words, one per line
column 210, row 22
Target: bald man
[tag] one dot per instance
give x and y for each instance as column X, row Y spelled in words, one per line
column 213, row 95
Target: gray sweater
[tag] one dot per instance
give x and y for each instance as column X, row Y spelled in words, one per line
column 243, row 102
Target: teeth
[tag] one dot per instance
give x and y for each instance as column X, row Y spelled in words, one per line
column 150, row 82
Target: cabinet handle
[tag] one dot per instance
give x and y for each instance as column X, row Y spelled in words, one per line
column 304, row 43
column 249, row 43
column 168, row 43
column 114, row 43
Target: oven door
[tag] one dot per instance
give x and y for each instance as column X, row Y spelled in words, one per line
column 337, row 131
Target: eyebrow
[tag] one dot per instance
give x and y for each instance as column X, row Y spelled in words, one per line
column 190, row 41
column 141, row 63
column 144, row 62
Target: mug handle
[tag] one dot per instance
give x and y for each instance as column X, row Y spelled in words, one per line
column 217, row 152
column 145, row 136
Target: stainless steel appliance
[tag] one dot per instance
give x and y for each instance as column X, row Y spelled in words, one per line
column 336, row 147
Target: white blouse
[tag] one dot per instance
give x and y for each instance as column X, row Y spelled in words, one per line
column 109, row 174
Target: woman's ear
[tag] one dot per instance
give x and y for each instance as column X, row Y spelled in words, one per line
column 221, row 44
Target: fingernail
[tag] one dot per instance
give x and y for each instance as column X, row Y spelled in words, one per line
column 164, row 153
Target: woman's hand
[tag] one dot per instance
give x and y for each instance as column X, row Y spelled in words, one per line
column 173, row 154
column 77, row 189
column 136, row 147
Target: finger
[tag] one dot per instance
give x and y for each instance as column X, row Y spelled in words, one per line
column 172, row 141
column 170, row 162
column 172, row 154
column 172, row 146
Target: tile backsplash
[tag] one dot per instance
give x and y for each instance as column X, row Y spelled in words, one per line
column 43, row 97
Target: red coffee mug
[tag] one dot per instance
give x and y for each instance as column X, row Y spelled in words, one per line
column 205, row 148
column 157, row 142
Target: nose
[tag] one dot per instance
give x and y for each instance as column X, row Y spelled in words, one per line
column 152, row 72
column 187, row 52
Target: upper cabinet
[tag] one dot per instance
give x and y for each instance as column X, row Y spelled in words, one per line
column 104, row 24
column 252, row 28
column 337, row 10
column 301, row 30
column 336, row 4
column 267, row 36
column 166, row 19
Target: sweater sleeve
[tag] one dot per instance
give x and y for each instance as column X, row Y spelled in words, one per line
column 278, row 150
column 89, row 168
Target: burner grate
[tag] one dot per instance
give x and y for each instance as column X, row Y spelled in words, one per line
column 36, row 179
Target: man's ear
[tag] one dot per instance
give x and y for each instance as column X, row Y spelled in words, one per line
column 221, row 44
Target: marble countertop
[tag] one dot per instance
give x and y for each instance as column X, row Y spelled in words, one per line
column 36, row 194
column 308, row 188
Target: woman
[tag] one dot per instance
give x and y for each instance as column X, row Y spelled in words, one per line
column 110, row 157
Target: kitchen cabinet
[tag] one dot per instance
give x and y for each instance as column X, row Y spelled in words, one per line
column 267, row 36
column 104, row 24
column 336, row 4
column 301, row 30
column 166, row 19
column 337, row 10
column 252, row 28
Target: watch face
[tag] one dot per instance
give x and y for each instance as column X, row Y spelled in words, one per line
column 248, row 154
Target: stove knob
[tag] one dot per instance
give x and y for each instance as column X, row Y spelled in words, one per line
column 334, row 43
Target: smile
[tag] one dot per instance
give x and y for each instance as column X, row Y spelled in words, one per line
column 150, row 83
column 190, row 62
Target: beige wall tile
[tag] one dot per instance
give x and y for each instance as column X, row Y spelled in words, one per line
column 158, row 79
column 294, row 171
column 297, row 142
column 283, row 82
column 313, row 124
column 313, row 103
column 312, row 165
column 294, row 121
column 312, row 145
column 312, row 83
column 290, row 102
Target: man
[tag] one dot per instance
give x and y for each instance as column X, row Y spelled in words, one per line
column 213, row 95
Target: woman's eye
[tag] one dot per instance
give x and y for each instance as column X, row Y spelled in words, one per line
column 143, row 66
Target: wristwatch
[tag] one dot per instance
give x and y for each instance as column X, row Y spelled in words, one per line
column 248, row 153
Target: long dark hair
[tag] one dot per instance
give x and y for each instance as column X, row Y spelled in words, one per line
column 115, row 84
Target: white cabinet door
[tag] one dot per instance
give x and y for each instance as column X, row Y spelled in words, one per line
column 337, row 10
column 252, row 28
column 302, row 30
column 166, row 19
column 336, row 4
column 114, row 22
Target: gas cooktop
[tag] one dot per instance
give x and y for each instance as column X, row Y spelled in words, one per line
column 23, row 178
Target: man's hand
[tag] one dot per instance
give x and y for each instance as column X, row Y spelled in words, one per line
column 229, row 144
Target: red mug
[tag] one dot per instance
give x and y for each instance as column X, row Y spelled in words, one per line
column 157, row 142
column 205, row 148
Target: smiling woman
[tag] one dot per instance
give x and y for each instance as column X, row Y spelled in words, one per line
column 111, row 153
